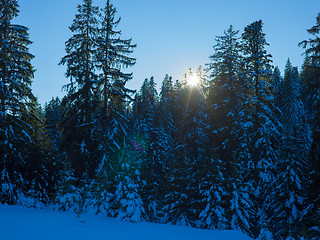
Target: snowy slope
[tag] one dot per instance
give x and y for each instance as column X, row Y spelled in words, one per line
column 20, row 223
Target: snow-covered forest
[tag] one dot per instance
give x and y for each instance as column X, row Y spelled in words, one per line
column 237, row 150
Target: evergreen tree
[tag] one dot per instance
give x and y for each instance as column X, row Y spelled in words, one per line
column 184, row 174
column 41, row 165
column 127, row 203
column 293, row 110
column 311, row 78
column 16, row 73
column 223, row 100
column 146, row 125
column 288, row 196
column 213, row 193
column 145, row 108
column 130, row 203
column 67, row 195
column 257, row 127
column 80, row 136
column 277, row 85
column 203, row 83
column 175, row 202
column 112, row 56
column 53, row 115
column 307, row 80
column 160, row 146
column 164, row 123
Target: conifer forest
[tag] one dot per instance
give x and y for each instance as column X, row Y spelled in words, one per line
column 237, row 149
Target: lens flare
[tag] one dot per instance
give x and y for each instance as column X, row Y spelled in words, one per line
column 193, row 80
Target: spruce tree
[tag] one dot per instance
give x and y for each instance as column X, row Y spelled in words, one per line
column 80, row 136
column 164, row 123
column 184, row 173
column 277, row 84
column 127, row 201
column 307, row 80
column 53, row 115
column 130, row 205
column 41, row 164
column 311, row 78
column 160, row 150
column 16, row 73
column 175, row 202
column 112, row 56
column 257, row 127
column 224, row 99
column 146, row 107
column 288, row 196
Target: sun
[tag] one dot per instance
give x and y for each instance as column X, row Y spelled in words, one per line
column 193, row 80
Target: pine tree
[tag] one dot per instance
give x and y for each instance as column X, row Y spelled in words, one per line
column 126, row 201
column 288, row 196
column 307, row 81
column 53, row 115
column 175, row 202
column 257, row 127
column 16, row 73
column 203, row 83
column 184, row 173
column 223, row 100
column 145, row 108
column 130, row 203
column 67, row 195
column 160, row 151
column 112, row 56
column 277, row 85
column 165, row 126
column 80, row 136
column 41, row 164
column 311, row 77
column 213, row 193
column 145, row 112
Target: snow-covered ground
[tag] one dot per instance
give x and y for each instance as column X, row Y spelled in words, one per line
column 21, row 223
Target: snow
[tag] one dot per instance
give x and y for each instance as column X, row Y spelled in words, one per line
column 17, row 222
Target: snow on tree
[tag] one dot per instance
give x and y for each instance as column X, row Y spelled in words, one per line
column 213, row 193
column 68, row 196
column 130, row 205
column 117, row 189
column 311, row 77
column 145, row 108
column 41, row 168
column 18, row 122
column 112, row 57
column 152, row 119
column 80, row 133
column 288, row 196
column 184, row 172
column 257, row 128
column 147, row 117
column 224, row 99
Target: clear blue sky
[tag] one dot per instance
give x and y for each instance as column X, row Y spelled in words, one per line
column 172, row 35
